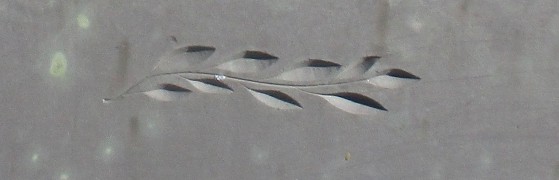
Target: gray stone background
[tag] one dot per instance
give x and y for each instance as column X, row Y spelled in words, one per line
column 485, row 108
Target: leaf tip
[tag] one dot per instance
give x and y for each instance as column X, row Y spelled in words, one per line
column 401, row 74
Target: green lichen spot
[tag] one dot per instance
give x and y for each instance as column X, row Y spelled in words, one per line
column 64, row 176
column 83, row 21
column 58, row 64
column 108, row 150
column 35, row 157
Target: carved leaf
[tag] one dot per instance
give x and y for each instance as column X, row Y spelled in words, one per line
column 353, row 103
column 275, row 99
column 209, row 85
column 359, row 68
column 311, row 70
column 183, row 57
column 167, row 92
column 398, row 73
column 393, row 78
column 250, row 62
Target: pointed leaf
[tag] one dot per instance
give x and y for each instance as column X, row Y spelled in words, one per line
column 209, row 85
column 393, row 78
column 353, row 103
column 167, row 92
column 173, row 88
column 321, row 63
column 360, row 67
column 183, row 57
column 259, row 55
column 193, row 54
column 311, row 70
column 250, row 62
column 398, row 73
column 275, row 99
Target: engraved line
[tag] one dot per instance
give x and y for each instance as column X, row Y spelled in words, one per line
column 282, row 85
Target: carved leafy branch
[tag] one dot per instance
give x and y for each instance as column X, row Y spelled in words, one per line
column 182, row 62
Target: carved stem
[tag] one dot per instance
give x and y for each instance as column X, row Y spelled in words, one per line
column 245, row 80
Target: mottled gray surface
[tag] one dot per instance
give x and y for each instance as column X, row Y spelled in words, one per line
column 485, row 108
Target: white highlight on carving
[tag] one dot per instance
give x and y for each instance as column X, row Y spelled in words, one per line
column 220, row 77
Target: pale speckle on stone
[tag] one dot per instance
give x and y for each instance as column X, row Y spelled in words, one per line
column 259, row 155
column 58, row 64
column 83, row 21
column 436, row 171
column 486, row 160
column 64, row 176
column 416, row 25
column 35, row 157
column 108, row 150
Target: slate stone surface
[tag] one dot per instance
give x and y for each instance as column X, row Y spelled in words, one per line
column 484, row 108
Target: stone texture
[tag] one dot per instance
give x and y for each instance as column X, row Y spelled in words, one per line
column 485, row 107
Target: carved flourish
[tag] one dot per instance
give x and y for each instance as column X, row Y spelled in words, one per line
column 311, row 73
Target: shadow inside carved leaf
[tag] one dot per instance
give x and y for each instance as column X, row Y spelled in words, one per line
column 393, row 78
column 361, row 99
column 353, row 103
column 167, row 92
column 258, row 55
column 183, row 57
column 192, row 49
column 368, row 62
column 401, row 74
column 275, row 99
column 311, row 70
column 210, row 85
column 173, row 88
column 193, row 54
column 359, row 68
column 321, row 63
column 250, row 62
